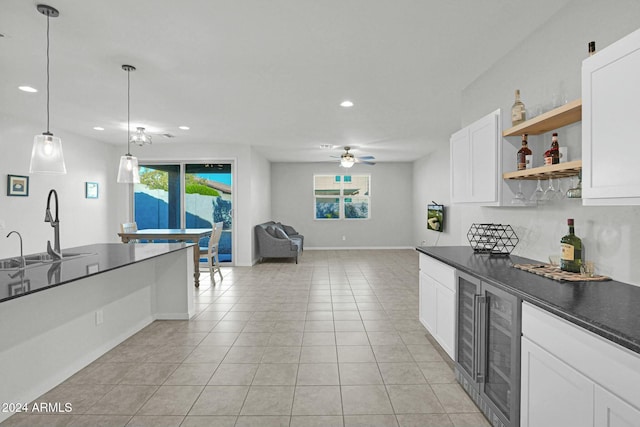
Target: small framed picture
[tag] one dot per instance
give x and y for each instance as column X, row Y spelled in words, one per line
column 17, row 185
column 435, row 217
column 91, row 190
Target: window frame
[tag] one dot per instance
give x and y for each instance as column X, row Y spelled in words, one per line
column 341, row 197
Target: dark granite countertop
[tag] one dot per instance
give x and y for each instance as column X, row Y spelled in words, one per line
column 96, row 259
column 610, row 309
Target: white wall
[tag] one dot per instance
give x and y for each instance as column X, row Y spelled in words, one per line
column 390, row 206
column 244, row 158
column 546, row 63
column 82, row 221
column 260, row 194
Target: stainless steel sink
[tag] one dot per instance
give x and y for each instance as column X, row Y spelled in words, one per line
column 38, row 259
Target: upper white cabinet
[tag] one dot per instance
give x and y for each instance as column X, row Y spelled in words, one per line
column 610, row 108
column 437, row 309
column 476, row 162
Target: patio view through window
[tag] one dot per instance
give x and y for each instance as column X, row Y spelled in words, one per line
column 341, row 196
column 186, row 196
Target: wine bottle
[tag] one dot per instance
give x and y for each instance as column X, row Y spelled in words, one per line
column 592, row 48
column 518, row 113
column 523, row 152
column 571, row 258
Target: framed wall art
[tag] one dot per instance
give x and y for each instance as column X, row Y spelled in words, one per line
column 17, row 185
column 91, row 190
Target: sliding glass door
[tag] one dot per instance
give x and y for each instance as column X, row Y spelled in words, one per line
column 187, row 195
column 208, row 200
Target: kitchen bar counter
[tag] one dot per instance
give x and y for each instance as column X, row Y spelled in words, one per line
column 96, row 259
column 610, row 309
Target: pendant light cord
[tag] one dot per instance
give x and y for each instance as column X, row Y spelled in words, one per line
column 48, row 133
column 128, row 112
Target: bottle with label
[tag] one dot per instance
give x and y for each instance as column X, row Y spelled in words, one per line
column 518, row 113
column 523, row 152
column 592, row 48
column 571, row 258
column 554, row 151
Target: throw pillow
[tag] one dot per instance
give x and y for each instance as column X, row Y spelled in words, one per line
column 289, row 230
column 281, row 234
column 271, row 231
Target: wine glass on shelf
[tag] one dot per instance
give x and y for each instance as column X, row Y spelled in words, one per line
column 551, row 193
column 537, row 195
column 518, row 198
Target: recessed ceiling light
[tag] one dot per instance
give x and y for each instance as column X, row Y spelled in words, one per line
column 98, row 128
column 346, row 103
column 184, row 127
column 27, row 89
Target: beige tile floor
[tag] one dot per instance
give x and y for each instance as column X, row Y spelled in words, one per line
column 332, row 341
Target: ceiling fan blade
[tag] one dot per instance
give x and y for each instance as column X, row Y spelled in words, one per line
column 336, row 157
column 365, row 162
column 366, row 157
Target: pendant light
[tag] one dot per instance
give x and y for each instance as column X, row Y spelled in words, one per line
column 128, row 170
column 46, row 155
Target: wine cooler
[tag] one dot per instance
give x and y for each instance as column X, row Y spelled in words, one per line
column 488, row 349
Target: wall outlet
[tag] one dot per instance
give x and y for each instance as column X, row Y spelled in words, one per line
column 99, row 317
column 344, row 237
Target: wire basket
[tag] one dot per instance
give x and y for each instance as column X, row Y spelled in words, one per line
column 494, row 239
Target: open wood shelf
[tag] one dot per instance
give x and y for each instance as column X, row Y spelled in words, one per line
column 554, row 119
column 559, row 170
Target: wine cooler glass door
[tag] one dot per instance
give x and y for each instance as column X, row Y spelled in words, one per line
column 466, row 353
column 501, row 351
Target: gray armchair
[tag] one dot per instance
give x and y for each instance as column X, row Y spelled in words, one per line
column 274, row 242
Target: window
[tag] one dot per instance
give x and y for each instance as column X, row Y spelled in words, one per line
column 341, row 196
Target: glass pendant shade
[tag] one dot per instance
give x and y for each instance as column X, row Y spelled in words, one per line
column 140, row 137
column 347, row 162
column 128, row 172
column 47, row 156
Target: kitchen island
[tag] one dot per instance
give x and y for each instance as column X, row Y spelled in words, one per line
column 57, row 317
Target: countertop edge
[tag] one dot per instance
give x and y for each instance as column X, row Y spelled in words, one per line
column 589, row 324
column 168, row 249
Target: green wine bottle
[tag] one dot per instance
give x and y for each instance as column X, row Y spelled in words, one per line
column 571, row 259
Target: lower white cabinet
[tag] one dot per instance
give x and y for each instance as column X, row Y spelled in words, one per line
column 571, row 377
column 611, row 411
column 437, row 311
column 552, row 393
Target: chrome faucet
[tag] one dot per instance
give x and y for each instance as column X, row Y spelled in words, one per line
column 55, row 223
column 22, row 261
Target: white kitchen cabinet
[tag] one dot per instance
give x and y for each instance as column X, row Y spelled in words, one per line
column 552, row 393
column 611, row 411
column 476, row 162
column 437, row 311
column 572, row 377
column 610, row 93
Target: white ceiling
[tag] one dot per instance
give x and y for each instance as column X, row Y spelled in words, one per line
column 268, row 73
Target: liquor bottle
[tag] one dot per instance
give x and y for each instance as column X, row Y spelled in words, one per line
column 592, row 48
column 571, row 258
column 523, row 153
column 518, row 113
column 555, row 150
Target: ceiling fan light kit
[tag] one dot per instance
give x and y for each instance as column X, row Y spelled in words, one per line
column 347, row 159
column 47, row 156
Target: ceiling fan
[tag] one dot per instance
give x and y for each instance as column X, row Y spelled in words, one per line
column 347, row 159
